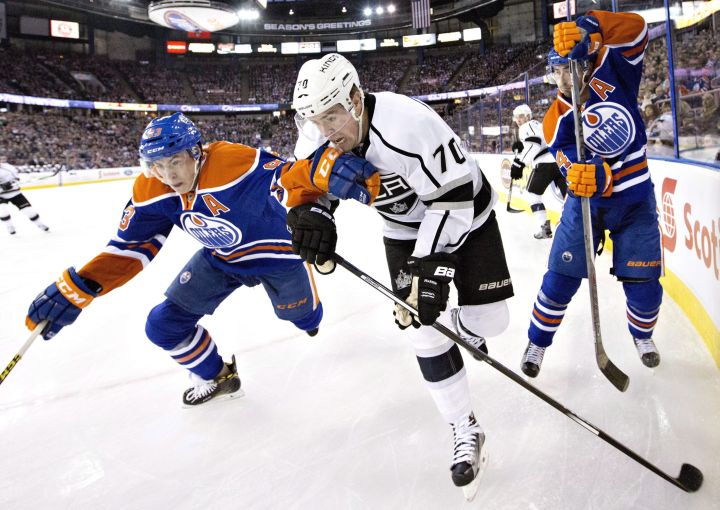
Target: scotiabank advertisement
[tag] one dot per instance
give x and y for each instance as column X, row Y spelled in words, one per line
column 688, row 200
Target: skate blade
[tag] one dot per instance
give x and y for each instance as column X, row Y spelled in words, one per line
column 471, row 489
column 227, row 396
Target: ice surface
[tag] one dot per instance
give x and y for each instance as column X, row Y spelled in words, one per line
column 92, row 419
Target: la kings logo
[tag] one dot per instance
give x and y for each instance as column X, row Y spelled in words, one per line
column 396, row 196
column 403, row 280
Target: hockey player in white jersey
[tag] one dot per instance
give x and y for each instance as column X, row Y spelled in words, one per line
column 10, row 194
column 531, row 150
column 439, row 226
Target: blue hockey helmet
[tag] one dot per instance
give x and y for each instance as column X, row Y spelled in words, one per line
column 554, row 59
column 169, row 135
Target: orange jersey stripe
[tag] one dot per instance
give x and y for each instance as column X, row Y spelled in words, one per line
column 254, row 248
column 630, row 170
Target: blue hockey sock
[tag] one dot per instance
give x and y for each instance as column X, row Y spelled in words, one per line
column 549, row 309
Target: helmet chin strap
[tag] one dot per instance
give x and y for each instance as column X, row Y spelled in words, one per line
column 198, row 165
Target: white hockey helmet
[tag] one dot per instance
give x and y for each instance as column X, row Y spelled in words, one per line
column 323, row 101
column 522, row 109
column 323, row 83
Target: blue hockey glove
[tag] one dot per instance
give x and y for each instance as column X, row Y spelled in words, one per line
column 345, row 175
column 433, row 273
column 60, row 303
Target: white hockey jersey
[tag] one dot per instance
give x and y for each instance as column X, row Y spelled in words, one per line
column 430, row 189
column 535, row 149
column 9, row 181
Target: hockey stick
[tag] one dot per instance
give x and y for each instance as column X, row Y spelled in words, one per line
column 35, row 332
column 509, row 199
column 616, row 376
column 690, row 478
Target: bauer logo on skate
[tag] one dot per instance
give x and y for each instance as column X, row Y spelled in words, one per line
column 609, row 129
column 211, row 232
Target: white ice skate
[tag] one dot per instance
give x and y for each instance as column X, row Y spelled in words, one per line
column 647, row 351
column 469, row 457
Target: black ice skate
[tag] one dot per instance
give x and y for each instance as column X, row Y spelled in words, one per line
column 545, row 231
column 467, row 335
column 312, row 332
column 469, row 457
column 220, row 388
column 647, row 351
column 532, row 360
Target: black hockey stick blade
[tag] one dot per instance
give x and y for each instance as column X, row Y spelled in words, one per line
column 690, row 479
column 511, row 210
column 617, row 377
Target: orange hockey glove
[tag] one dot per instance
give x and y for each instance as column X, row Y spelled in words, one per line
column 593, row 178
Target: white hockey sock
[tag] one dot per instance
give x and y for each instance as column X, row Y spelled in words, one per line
column 34, row 217
column 5, row 218
column 538, row 208
column 451, row 395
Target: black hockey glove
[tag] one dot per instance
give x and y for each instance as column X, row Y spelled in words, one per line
column 313, row 233
column 516, row 170
column 518, row 146
column 7, row 186
column 434, row 274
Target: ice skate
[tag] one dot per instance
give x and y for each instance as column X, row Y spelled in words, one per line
column 545, row 231
column 469, row 456
column 312, row 332
column 468, row 336
column 532, row 360
column 647, row 351
column 220, row 388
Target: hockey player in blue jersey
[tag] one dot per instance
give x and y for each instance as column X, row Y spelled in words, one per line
column 222, row 194
column 615, row 176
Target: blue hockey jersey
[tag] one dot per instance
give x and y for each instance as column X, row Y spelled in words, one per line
column 233, row 213
column 612, row 124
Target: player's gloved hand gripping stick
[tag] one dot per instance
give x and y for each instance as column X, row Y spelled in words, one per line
column 577, row 40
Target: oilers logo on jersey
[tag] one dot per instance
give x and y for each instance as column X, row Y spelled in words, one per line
column 608, row 129
column 211, row 232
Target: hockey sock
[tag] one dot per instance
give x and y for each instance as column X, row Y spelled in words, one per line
column 177, row 332
column 34, row 217
column 549, row 309
column 538, row 208
column 643, row 307
column 444, row 373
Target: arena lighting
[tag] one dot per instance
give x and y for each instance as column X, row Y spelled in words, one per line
column 344, row 9
column 379, row 10
column 195, row 47
column 192, row 15
column 367, row 11
column 391, row 8
column 248, row 14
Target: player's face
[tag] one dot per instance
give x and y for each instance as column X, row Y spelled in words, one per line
column 177, row 171
column 339, row 126
column 563, row 78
